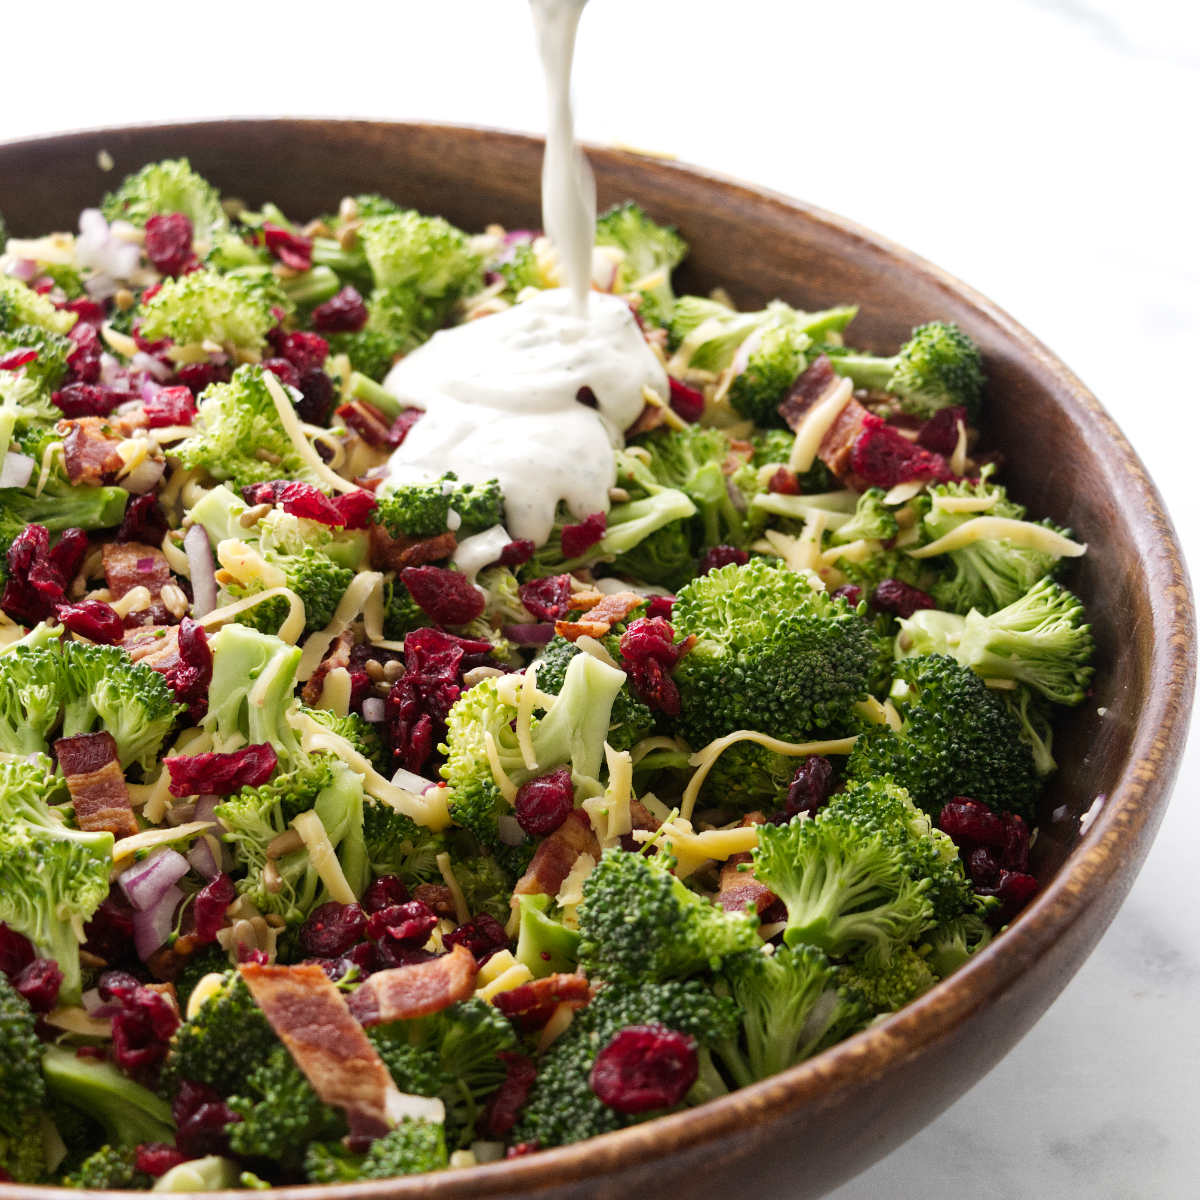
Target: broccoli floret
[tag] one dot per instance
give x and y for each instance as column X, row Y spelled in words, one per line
column 650, row 253
column 767, row 348
column 562, row 1107
column 106, row 689
column 232, row 310
column 953, row 942
column 957, row 738
column 61, row 505
column 791, row 1005
column 221, row 1043
column 280, row 1113
column 847, row 886
column 486, row 883
column 47, row 370
column 206, row 960
column 422, row 510
column 22, row 1087
column 52, row 878
column 638, row 922
column 872, row 520
column 110, row 1167
column 397, row 845
column 938, row 367
column 32, row 691
column 886, row 986
column 749, row 776
column 990, row 572
column 1033, row 714
column 772, row 654
column 237, row 420
column 167, row 187
column 1040, row 640
column 413, row 1147
column 573, row 731
column 290, row 884
column 21, row 305
column 630, row 719
column 130, row 1113
column 318, row 581
column 522, row 269
column 360, row 733
column 371, row 351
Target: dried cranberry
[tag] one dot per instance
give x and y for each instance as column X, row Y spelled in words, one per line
column 156, row 1159
column 283, row 371
column 109, row 934
column 344, row 313
column 190, row 676
column 14, row 360
column 660, row 606
column 643, row 1068
column 208, row 909
column 983, row 866
column 168, row 243
column 83, row 359
column 144, row 521
column 197, row 376
column 292, row 249
column 170, row 406
column 542, row 804
column 686, row 401
column 364, row 957
column 332, row 929
column 810, row 786
column 354, row 508
column 649, row 652
column 505, row 1103
column 940, row 433
column 305, row 351
column 722, row 556
column 409, row 924
column 200, row 1120
column 576, row 539
column 402, row 424
column 87, row 399
column 384, row 892
column 221, row 774
column 16, row 951
column 1014, row 889
column 548, row 598
column 142, row 1027
column 784, row 483
column 518, row 551
column 389, row 954
column 35, row 583
column 447, row 597
column 89, row 311
column 902, row 599
column 316, row 397
column 1014, row 854
column 483, row 935
column 883, row 457
column 349, row 509
column 92, row 619
column 521, row 1149
column 970, row 821
column 38, row 983
column 850, row 592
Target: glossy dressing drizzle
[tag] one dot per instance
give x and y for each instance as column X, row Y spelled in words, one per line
column 501, row 394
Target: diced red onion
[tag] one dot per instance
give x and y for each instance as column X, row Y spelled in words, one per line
column 206, row 808
column 413, row 782
column 151, row 365
column 201, row 858
column 509, row 830
column 145, row 883
column 152, row 927
column 374, row 709
column 537, row 634
column 203, row 573
column 149, row 389
column 23, row 269
column 16, row 470
column 145, row 476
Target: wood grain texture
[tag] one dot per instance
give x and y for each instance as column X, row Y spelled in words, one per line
column 815, row 1125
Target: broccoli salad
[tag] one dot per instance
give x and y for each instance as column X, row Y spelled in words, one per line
column 383, row 790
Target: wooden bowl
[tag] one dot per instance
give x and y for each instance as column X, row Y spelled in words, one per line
column 803, row 1131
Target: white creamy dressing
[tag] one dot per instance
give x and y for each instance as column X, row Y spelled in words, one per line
column 501, row 393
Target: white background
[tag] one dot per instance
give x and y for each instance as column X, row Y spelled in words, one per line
column 1043, row 150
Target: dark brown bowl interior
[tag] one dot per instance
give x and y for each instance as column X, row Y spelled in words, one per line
column 802, row 1132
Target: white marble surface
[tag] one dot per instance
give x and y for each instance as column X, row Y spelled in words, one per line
column 1043, row 150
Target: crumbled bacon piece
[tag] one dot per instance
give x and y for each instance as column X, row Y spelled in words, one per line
column 369, row 423
column 531, row 1005
column 599, row 619
column 221, row 774
column 446, row 597
column 89, row 451
column 390, row 553
column 292, row 249
column 576, row 539
column 402, row 993
column 556, row 855
column 99, row 794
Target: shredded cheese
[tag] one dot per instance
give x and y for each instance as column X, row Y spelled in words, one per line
column 295, row 432
column 175, row 555
column 247, row 566
column 152, row 798
column 208, row 986
column 958, row 459
column 855, row 552
column 75, row 1019
column 148, row 839
column 508, row 789
column 461, row 911
column 903, row 492
column 670, row 417
column 335, row 691
column 495, row 966
column 516, row 975
column 293, row 623
column 1020, row 533
column 879, row 714
column 524, row 729
column 817, row 422
column 323, row 857
column 120, row 343
column 704, row 759
column 650, row 744
column 353, row 602
column 554, row 1028
column 597, row 649
column 571, row 892
column 692, row 850
column 610, row 813
column 961, row 504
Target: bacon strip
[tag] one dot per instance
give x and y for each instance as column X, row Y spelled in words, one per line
column 553, row 859
column 815, row 383
column 155, row 646
column 737, row 886
column 401, row 993
column 436, row 896
column 532, row 1004
column 313, row 1020
column 390, row 553
column 134, row 564
column 96, row 783
column 338, row 656
column 89, row 453
column 601, row 617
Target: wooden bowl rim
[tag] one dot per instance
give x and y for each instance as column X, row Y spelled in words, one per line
column 1140, row 793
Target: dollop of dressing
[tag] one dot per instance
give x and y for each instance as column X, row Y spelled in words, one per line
column 502, row 400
